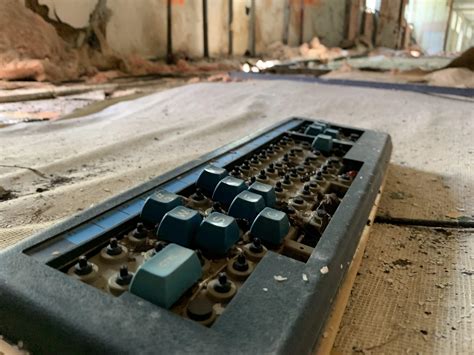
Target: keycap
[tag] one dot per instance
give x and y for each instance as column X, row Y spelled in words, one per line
column 314, row 129
column 158, row 204
column 210, row 177
column 271, row 226
column 227, row 189
column 217, row 234
column 320, row 123
column 164, row 277
column 266, row 191
column 179, row 226
column 323, row 143
column 334, row 133
column 246, row 205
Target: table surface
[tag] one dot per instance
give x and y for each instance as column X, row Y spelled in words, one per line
column 414, row 290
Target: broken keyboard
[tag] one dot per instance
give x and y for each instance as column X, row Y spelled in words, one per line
column 242, row 250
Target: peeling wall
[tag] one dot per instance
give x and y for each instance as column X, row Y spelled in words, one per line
column 74, row 13
column 140, row 26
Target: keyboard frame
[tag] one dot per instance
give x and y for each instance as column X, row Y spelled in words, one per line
column 52, row 312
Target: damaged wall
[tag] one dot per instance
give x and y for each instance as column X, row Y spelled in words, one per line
column 31, row 48
column 132, row 27
column 75, row 14
column 139, row 27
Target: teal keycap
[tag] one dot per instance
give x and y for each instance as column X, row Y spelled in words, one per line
column 321, row 123
column 323, row 143
column 227, row 189
column 158, row 204
column 334, row 133
column 246, row 205
column 271, row 226
column 314, row 129
column 217, row 234
column 179, row 226
column 209, row 178
column 266, row 191
column 164, row 277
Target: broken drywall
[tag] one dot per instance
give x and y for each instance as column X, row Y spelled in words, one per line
column 74, row 13
column 139, row 27
column 32, row 48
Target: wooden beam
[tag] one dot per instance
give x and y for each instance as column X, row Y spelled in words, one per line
column 204, row 29
column 446, row 32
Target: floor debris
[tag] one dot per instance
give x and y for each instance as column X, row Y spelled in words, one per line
column 280, row 278
column 431, row 303
column 324, row 270
column 5, row 194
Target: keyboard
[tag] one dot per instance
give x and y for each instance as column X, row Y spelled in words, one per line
column 242, row 250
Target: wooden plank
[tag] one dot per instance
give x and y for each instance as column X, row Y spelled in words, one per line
column 240, row 27
column 218, row 27
column 388, row 28
column 354, row 19
column 295, row 26
column 368, row 29
column 269, row 23
column 187, row 28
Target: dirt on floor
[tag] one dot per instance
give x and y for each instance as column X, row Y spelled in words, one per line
column 412, row 294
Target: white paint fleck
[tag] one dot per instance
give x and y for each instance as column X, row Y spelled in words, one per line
column 324, row 270
column 305, row 278
column 265, row 289
column 218, row 308
column 154, row 315
column 280, row 278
